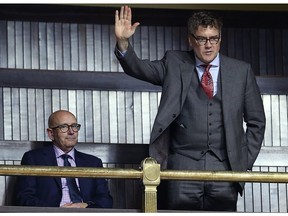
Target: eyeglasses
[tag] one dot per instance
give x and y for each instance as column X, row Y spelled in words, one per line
column 65, row 127
column 202, row 40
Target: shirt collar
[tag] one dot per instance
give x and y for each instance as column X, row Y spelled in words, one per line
column 215, row 62
column 59, row 152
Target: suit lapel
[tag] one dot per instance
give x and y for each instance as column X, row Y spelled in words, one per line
column 49, row 159
column 186, row 71
column 49, row 156
column 78, row 159
column 227, row 84
column 80, row 162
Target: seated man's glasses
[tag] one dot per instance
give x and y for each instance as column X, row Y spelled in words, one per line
column 65, row 127
column 202, row 40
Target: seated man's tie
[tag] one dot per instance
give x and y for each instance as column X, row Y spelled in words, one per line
column 74, row 193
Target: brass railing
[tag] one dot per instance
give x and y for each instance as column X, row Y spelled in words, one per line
column 149, row 171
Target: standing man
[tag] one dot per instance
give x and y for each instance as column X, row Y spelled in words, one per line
column 54, row 191
column 199, row 124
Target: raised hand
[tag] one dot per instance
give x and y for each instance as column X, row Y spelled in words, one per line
column 123, row 27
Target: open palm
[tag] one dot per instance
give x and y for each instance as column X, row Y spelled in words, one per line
column 123, row 27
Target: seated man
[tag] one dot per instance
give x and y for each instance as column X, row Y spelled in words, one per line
column 54, row 191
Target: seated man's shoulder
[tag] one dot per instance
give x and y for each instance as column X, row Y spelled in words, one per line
column 39, row 149
column 89, row 157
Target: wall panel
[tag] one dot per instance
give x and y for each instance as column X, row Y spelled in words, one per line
column 89, row 47
column 105, row 116
column 110, row 116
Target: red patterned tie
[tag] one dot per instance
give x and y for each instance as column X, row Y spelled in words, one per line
column 207, row 81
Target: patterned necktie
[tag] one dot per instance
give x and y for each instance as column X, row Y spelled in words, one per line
column 71, row 183
column 207, row 81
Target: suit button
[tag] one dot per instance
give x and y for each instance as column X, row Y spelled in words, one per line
column 174, row 115
column 160, row 130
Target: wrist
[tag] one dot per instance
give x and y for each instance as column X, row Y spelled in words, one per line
column 122, row 45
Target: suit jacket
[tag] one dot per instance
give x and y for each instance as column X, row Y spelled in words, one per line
column 47, row 191
column 241, row 99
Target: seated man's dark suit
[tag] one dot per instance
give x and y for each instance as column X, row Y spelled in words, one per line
column 47, row 191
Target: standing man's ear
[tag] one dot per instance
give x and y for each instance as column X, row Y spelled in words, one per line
column 190, row 39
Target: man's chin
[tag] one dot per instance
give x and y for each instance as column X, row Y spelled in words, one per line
column 70, row 144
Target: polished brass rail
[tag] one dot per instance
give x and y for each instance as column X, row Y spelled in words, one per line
column 90, row 172
column 149, row 172
column 268, row 177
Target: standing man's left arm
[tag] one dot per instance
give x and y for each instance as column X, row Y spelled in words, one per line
column 254, row 116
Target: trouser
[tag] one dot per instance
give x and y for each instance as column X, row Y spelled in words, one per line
column 200, row 195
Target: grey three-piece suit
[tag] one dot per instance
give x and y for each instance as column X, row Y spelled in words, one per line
column 238, row 98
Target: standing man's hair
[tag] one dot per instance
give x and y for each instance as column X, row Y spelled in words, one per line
column 205, row 19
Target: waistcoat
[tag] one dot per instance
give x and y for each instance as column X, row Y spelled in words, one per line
column 199, row 127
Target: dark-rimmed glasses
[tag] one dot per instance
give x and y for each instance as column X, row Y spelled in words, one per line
column 65, row 127
column 202, row 40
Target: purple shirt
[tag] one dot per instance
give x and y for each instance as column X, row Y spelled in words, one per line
column 60, row 162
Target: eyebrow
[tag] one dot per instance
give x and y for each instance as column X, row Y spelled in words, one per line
column 206, row 37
